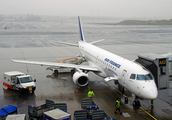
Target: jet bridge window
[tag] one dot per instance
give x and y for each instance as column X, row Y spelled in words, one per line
column 133, row 76
column 163, row 70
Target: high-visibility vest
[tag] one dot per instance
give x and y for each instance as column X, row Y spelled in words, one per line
column 90, row 94
column 118, row 104
column 152, row 103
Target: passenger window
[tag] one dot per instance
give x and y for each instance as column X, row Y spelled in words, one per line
column 133, row 76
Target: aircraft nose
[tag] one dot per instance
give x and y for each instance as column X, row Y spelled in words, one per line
column 152, row 94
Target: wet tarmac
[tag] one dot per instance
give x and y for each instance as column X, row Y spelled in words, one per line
column 60, row 88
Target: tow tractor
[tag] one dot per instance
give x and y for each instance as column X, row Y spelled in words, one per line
column 16, row 80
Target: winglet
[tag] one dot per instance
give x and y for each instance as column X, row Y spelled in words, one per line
column 81, row 35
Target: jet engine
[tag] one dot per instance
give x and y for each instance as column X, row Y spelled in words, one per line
column 80, row 78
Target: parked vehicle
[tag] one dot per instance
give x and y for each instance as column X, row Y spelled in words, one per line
column 18, row 81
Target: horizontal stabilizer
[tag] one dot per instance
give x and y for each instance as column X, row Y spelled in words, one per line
column 70, row 44
column 96, row 41
column 110, row 78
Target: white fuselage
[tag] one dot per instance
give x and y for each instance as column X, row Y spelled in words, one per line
column 112, row 65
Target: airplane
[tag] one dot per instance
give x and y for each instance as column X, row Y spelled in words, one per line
column 167, row 54
column 110, row 66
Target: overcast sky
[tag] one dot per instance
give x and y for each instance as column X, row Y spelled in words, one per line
column 153, row 9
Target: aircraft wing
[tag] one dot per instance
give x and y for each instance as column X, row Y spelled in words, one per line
column 63, row 65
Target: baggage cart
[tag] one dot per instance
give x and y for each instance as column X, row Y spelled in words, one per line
column 61, row 106
column 87, row 102
column 37, row 112
column 56, row 114
column 16, row 117
column 80, row 114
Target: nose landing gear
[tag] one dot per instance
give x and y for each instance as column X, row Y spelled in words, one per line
column 136, row 103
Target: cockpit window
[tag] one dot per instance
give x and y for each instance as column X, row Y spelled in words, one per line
column 133, row 76
column 148, row 77
column 141, row 77
column 144, row 77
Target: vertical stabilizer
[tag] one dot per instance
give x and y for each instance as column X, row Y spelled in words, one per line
column 169, row 50
column 168, row 54
column 81, row 35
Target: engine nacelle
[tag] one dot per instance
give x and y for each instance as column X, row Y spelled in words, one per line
column 80, row 79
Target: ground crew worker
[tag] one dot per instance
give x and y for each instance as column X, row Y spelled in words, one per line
column 118, row 106
column 91, row 93
column 152, row 105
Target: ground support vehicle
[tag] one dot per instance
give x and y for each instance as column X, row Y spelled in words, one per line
column 16, row 80
column 37, row 111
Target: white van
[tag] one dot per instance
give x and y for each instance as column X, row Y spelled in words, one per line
column 18, row 81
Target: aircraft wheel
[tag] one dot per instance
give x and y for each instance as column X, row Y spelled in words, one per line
column 20, row 90
column 33, row 91
column 138, row 103
column 72, row 71
column 134, row 103
column 116, row 82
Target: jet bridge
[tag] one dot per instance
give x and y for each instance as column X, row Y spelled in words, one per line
column 159, row 66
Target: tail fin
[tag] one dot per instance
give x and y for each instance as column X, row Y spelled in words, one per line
column 169, row 50
column 81, row 35
column 168, row 54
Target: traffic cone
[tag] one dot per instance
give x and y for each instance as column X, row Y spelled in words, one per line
column 76, row 89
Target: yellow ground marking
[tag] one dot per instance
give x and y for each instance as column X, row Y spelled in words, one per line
column 55, row 48
column 125, row 96
column 31, row 37
column 61, row 52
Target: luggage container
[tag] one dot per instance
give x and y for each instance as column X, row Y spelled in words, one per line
column 56, row 114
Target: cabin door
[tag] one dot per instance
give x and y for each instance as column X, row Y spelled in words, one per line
column 124, row 75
